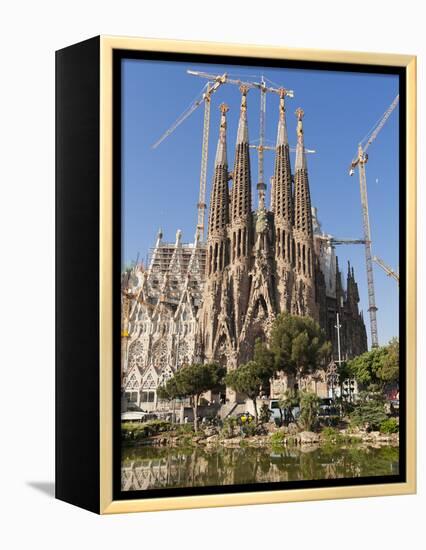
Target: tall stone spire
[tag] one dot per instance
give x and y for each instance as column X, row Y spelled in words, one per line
column 241, row 189
column 282, row 204
column 300, row 149
column 221, row 158
column 302, row 196
column 281, row 189
column 303, row 249
column 219, row 203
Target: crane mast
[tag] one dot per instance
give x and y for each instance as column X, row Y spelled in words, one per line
column 214, row 82
column 372, row 308
column 210, row 89
column 201, row 205
column 261, row 187
column 360, row 161
column 260, row 148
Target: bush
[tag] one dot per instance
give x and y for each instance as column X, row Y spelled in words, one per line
column 277, row 439
column 248, row 430
column 369, row 411
column 228, row 427
column 184, row 429
column 309, row 405
column 389, row 426
column 330, row 434
column 265, row 414
column 136, row 432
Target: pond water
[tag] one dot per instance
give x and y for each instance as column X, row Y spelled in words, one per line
column 158, row 467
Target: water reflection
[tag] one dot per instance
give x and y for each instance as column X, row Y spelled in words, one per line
column 153, row 467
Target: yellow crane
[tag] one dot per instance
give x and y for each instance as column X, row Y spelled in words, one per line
column 213, row 84
column 360, row 161
column 205, row 98
column 386, row 268
column 264, row 89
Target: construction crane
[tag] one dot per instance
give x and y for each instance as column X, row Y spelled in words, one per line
column 264, row 89
column 386, row 268
column 333, row 241
column 360, row 161
column 227, row 80
column 261, row 186
column 209, row 89
column 213, row 84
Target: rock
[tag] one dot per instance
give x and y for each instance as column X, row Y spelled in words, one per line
column 292, row 428
column 309, row 448
column 210, row 431
column 212, row 439
column 308, row 438
column 234, row 442
column 271, row 427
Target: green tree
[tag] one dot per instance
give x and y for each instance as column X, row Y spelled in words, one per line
column 388, row 372
column 249, row 379
column 299, row 345
column 264, row 414
column 376, row 368
column 264, row 357
column 191, row 381
column 309, row 408
column 344, row 373
column 289, row 399
column 369, row 411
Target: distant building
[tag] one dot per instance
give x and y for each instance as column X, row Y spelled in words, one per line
column 211, row 301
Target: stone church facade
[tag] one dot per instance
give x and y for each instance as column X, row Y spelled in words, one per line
column 211, row 301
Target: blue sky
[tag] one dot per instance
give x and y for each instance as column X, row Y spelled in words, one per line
column 160, row 186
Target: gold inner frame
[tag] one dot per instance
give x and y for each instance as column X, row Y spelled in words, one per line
column 107, row 504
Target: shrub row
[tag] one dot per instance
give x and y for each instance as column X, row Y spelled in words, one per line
column 135, row 432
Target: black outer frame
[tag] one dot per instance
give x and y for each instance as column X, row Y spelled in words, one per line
column 118, row 57
column 77, row 273
column 77, row 426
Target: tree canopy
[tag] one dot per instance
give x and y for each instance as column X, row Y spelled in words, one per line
column 192, row 381
column 248, row 379
column 299, row 345
column 376, row 368
column 369, row 411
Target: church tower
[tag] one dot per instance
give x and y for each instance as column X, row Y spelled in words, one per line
column 282, row 207
column 217, row 244
column 240, row 228
column 303, row 302
column 217, row 253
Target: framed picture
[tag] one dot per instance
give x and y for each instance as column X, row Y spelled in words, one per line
column 235, row 274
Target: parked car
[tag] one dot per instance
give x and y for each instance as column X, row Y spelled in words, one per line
column 136, row 414
column 276, row 412
column 328, row 407
column 286, row 415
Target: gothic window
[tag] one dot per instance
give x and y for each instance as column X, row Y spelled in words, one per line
column 132, row 383
column 183, row 358
column 149, row 383
column 160, row 355
column 136, row 352
column 298, row 257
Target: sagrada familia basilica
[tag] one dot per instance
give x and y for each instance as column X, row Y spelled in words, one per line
column 210, row 301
